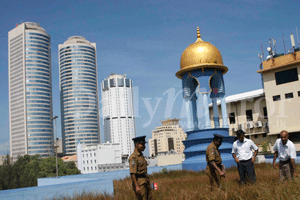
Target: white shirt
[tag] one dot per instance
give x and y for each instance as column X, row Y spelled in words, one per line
column 243, row 150
column 285, row 151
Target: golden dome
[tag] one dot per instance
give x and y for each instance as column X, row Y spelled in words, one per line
column 200, row 55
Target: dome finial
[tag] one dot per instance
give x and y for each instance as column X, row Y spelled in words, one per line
column 198, row 35
column 198, row 32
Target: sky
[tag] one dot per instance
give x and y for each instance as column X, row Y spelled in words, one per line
column 145, row 40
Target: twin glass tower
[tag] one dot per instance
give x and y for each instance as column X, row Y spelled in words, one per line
column 78, row 93
column 30, row 92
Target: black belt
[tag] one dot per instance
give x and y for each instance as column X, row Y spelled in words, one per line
column 141, row 175
column 285, row 162
column 243, row 161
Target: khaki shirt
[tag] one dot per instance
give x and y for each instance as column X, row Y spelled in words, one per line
column 137, row 163
column 213, row 154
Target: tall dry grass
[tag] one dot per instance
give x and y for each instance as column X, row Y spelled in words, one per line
column 181, row 184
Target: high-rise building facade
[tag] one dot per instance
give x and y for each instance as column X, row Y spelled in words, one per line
column 167, row 137
column 78, row 93
column 118, row 112
column 30, row 91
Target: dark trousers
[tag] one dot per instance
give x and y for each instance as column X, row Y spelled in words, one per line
column 246, row 170
column 286, row 170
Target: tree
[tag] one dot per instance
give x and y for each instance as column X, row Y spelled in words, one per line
column 7, row 179
column 27, row 169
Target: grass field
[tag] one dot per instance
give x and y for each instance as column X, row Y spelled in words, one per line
column 181, row 184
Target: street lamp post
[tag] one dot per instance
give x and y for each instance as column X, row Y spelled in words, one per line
column 55, row 144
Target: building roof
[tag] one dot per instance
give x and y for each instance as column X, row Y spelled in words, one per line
column 280, row 62
column 242, row 96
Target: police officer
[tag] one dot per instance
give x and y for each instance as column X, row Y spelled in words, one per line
column 214, row 169
column 138, row 170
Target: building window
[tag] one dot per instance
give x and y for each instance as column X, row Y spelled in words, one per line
column 87, row 168
column 298, row 93
column 264, row 135
column 83, row 155
column 95, row 161
column 83, row 162
column 289, row 95
column 255, row 136
column 286, row 76
column 112, row 82
column 94, row 154
column 231, row 118
column 249, row 115
column 276, row 98
column 265, row 113
column 87, row 162
column 84, row 169
column 91, row 168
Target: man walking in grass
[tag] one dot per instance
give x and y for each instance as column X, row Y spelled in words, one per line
column 214, row 169
column 286, row 152
column 243, row 156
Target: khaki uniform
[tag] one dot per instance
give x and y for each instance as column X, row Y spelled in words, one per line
column 213, row 154
column 138, row 166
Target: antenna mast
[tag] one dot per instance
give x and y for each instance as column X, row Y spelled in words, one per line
column 274, row 43
column 293, row 41
column 260, row 56
column 284, row 44
column 262, row 52
column 297, row 37
column 270, row 42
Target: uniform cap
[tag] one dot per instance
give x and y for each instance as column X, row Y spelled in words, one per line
column 218, row 137
column 140, row 139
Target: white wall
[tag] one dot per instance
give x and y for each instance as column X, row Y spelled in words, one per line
column 89, row 157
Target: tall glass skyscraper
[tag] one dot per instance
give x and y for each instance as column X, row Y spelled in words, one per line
column 30, row 91
column 118, row 112
column 78, row 93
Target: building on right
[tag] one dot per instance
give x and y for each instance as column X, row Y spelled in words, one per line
column 246, row 111
column 282, row 92
column 262, row 114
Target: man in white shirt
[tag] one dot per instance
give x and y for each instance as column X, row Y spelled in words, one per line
column 286, row 152
column 243, row 156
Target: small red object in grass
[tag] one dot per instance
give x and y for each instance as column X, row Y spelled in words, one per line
column 154, row 186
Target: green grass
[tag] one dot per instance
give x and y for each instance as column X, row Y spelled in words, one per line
column 182, row 184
